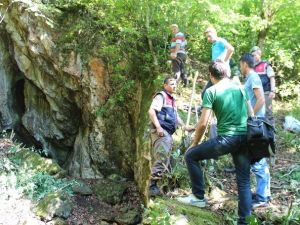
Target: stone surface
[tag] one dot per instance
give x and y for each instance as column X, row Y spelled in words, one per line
column 54, row 204
column 57, row 221
column 33, row 161
column 52, row 95
column 131, row 216
column 81, row 188
column 109, row 191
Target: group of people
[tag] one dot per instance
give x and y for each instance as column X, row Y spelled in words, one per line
column 229, row 102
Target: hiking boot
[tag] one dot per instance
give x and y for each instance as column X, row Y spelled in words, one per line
column 192, row 200
column 258, row 204
column 154, row 191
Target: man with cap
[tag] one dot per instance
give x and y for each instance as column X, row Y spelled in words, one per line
column 178, row 54
column 164, row 122
column 267, row 76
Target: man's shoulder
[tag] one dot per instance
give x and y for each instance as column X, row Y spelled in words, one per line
column 221, row 40
column 158, row 96
column 179, row 34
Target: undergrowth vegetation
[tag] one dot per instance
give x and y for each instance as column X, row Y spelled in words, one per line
column 31, row 178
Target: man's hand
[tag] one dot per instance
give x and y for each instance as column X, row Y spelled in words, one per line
column 188, row 128
column 271, row 95
column 160, row 131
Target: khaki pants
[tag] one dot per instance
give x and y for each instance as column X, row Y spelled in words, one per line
column 162, row 147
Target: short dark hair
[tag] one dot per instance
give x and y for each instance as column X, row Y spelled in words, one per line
column 248, row 59
column 167, row 79
column 218, row 69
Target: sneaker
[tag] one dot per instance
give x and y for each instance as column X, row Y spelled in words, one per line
column 192, row 200
column 257, row 204
column 229, row 170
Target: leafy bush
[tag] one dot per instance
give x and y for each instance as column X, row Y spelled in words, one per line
column 177, row 176
column 157, row 214
column 38, row 185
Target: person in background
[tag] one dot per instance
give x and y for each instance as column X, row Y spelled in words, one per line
column 178, row 54
column 165, row 119
column 220, row 49
column 254, row 90
column 266, row 73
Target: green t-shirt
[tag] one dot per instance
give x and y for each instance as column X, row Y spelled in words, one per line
column 228, row 104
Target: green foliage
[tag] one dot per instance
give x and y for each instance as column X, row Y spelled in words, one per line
column 157, row 214
column 38, row 185
column 252, row 220
column 290, row 140
column 293, row 216
column 166, row 212
column 133, row 37
column 32, row 180
column 177, row 176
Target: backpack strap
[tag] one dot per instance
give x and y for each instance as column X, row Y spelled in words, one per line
column 250, row 110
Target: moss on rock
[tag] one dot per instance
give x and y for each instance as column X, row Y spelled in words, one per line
column 110, row 191
column 166, row 210
column 54, row 204
column 33, row 161
column 81, row 188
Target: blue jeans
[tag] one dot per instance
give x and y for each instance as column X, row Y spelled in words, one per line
column 262, row 174
column 214, row 148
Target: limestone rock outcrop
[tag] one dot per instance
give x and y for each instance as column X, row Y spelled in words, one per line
column 53, row 97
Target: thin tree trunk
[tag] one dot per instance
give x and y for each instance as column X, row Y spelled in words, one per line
column 155, row 61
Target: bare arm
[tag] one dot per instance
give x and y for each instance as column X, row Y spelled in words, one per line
column 174, row 54
column 177, row 48
column 272, row 82
column 230, row 50
column 179, row 120
column 200, row 129
column 183, row 126
column 250, row 109
column 260, row 100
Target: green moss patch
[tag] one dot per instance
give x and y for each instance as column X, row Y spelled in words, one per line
column 33, row 161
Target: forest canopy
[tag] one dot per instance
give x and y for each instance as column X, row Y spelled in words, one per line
column 139, row 31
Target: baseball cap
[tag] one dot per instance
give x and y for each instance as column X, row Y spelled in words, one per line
column 254, row 49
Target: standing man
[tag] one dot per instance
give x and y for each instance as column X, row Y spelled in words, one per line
column 220, row 49
column 225, row 99
column 164, row 117
column 267, row 76
column 178, row 54
column 254, row 90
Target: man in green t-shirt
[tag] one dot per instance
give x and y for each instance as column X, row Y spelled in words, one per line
column 226, row 100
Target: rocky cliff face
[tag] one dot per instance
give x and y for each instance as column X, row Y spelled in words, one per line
column 53, row 97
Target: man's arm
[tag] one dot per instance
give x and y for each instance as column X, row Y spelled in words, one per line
column 154, row 120
column 272, row 92
column 260, row 100
column 230, row 50
column 183, row 126
column 271, row 76
column 250, row 109
column 174, row 54
column 200, row 129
